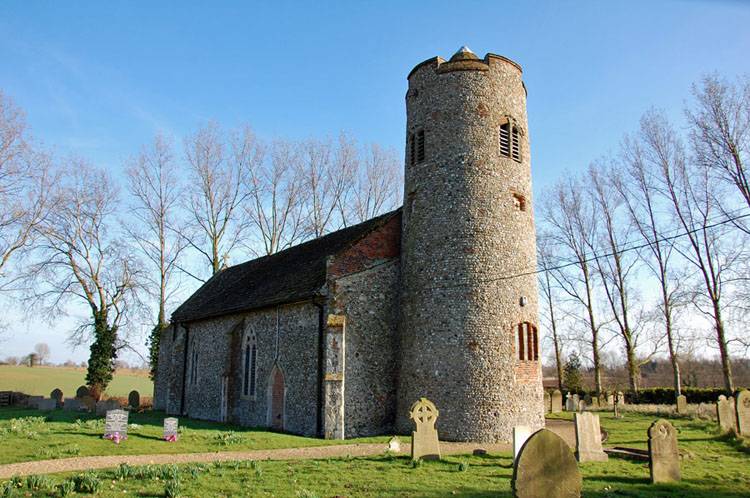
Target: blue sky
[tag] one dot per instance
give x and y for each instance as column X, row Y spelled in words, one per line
column 99, row 79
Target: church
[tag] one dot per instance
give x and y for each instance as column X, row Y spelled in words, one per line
column 338, row 336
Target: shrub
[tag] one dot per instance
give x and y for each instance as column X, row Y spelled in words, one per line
column 66, row 487
column 8, row 490
column 36, row 483
column 666, row 395
column 172, row 488
column 87, row 483
column 123, row 471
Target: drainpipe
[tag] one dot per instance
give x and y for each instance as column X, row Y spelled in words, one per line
column 321, row 351
column 184, row 369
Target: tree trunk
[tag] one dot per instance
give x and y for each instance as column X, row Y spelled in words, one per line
column 726, row 366
column 103, row 353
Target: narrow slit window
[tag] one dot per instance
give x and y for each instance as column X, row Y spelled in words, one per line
column 412, row 149
column 530, row 339
column 420, row 146
column 536, row 344
column 520, row 342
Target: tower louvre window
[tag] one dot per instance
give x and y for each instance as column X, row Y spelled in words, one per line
column 412, row 149
column 420, row 146
column 528, row 342
column 510, row 141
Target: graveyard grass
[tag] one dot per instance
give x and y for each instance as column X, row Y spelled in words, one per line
column 40, row 381
column 715, row 466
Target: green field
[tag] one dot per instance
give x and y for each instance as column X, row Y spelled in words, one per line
column 42, row 380
column 715, row 466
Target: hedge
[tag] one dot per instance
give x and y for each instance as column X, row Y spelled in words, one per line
column 665, row 395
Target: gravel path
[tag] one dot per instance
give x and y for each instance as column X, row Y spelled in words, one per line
column 563, row 428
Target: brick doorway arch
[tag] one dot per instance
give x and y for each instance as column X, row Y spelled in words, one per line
column 277, row 395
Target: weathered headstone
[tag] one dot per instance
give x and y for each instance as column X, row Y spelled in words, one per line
column 610, row 400
column 547, row 402
column 725, row 414
column 394, row 444
column 116, row 424
column 594, row 403
column 570, row 403
column 621, row 398
column 134, row 400
column 742, row 410
column 82, row 392
column 546, row 467
column 556, row 401
column 520, row 434
column 57, row 395
column 104, row 406
column 588, row 438
column 582, row 405
column 47, row 404
column 664, row 457
column 88, row 403
column 170, row 428
column 576, row 402
column 72, row 404
column 424, row 439
column 681, row 404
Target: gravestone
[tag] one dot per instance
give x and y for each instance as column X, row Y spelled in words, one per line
column 610, row 400
column 594, row 403
column 520, row 434
column 82, row 392
column 588, row 438
column 394, row 444
column 681, row 404
column 742, row 410
column 424, row 440
column 102, row 407
column 725, row 414
column 57, row 395
column 556, row 401
column 88, row 403
column 582, row 405
column 116, row 423
column 134, row 400
column 576, row 402
column 664, row 457
column 170, row 428
column 621, row 398
column 546, row 467
column 72, row 404
column 47, row 404
column 547, row 402
column 570, row 403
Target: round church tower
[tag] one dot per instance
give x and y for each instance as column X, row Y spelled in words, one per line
column 469, row 295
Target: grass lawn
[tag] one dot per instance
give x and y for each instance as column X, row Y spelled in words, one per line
column 27, row 434
column 42, row 380
column 716, row 467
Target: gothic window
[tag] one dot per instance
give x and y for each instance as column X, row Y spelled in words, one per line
column 528, row 342
column 510, row 141
column 249, row 363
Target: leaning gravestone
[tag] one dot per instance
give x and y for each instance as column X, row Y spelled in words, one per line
column 82, row 392
column 57, row 395
column 546, row 467
column 134, row 400
column 588, row 438
column 116, row 424
column 424, row 440
column 547, row 402
column 664, row 457
column 170, row 429
column 742, row 409
column 556, row 401
column 725, row 414
column 520, row 434
column 394, row 444
column 681, row 404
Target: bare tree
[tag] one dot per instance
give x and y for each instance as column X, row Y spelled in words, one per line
column 155, row 226
column 214, row 196
column 42, row 352
column 79, row 257
column 275, row 197
column 616, row 265
column 720, row 130
column 571, row 221
column 324, row 180
column 639, row 191
column 25, row 180
column 692, row 194
column 377, row 186
column 545, row 261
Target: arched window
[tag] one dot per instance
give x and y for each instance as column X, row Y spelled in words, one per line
column 249, row 364
column 510, row 141
column 528, row 342
column 519, row 201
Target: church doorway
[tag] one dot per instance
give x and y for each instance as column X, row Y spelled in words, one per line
column 276, row 405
